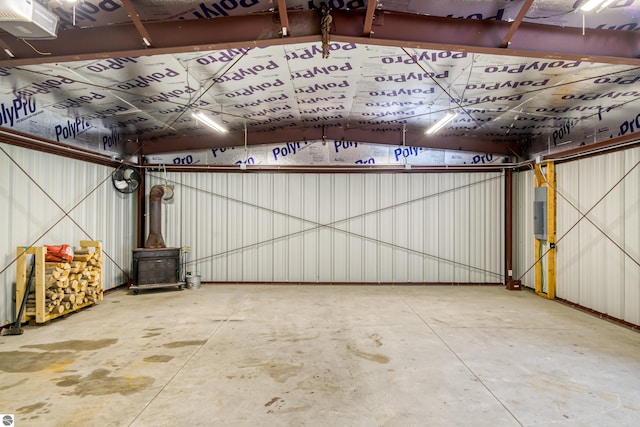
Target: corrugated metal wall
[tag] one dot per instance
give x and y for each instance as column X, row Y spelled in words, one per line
column 29, row 217
column 273, row 227
column 593, row 269
column 523, row 257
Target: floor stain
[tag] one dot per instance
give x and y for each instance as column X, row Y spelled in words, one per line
column 177, row 344
column 152, row 335
column 377, row 339
column 158, row 358
column 279, row 406
column 31, row 361
column 154, row 329
column 294, row 409
column 379, row 358
column 78, row 345
column 272, row 401
column 319, row 383
column 278, row 401
column 31, row 408
column 7, row 387
column 289, row 338
column 99, row 383
column 279, row 372
column 59, row 365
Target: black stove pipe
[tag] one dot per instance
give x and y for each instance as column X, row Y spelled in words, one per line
column 155, row 239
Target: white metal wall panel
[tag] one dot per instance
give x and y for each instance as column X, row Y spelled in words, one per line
column 431, row 220
column 339, row 227
column 279, row 193
column 523, row 256
column 593, row 269
column 235, row 229
column 265, row 222
column 400, row 228
column 460, row 230
column 340, row 236
column 371, row 194
column 385, row 228
column 446, row 224
column 568, row 282
column 632, row 237
column 417, row 226
column 309, row 254
column 356, row 260
column 250, row 227
column 36, row 216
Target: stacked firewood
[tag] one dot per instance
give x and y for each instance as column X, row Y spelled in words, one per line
column 69, row 286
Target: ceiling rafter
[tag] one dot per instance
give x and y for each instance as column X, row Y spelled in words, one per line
column 6, row 49
column 142, row 31
column 284, row 17
column 368, row 19
column 236, row 139
column 398, row 29
column 516, row 23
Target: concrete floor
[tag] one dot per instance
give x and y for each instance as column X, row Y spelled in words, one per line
column 323, row 356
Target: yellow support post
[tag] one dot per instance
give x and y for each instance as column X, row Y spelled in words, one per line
column 545, row 176
column 537, row 247
column 551, row 229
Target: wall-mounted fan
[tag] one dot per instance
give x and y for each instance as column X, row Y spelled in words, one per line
column 126, row 179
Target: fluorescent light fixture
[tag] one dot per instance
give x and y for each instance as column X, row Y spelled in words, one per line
column 146, row 42
column 441, row 123
column 207, row 121
column 9, row 53
column 592, row 4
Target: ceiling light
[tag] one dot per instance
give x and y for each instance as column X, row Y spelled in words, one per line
column 207, row 121
column 146, row 42
column 441, row 123
column 592, row 4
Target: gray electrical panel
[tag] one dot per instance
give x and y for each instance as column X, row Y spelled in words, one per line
column 540, row 213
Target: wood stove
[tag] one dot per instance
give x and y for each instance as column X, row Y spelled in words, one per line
column 155, row 268
column 155, row 265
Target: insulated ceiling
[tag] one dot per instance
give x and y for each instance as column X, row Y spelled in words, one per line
column 524, row 77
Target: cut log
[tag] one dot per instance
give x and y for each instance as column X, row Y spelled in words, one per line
column 54, row 272
column 58, row 285
column 52, row 295
column 83, row 251
column 70, row 298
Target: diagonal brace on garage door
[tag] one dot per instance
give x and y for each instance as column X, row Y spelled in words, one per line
column 332, row 225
